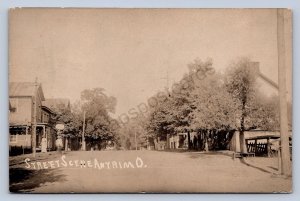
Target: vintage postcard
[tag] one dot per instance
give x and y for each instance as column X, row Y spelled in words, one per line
column 150, row 100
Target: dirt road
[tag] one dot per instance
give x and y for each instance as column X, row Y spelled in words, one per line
column 143, row 171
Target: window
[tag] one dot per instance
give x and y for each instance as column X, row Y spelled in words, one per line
column 45, row 117
column 13, row 138
column 14, row 104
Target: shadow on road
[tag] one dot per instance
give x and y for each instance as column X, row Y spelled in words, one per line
column 24, row 180
column 195, row 155
column 244, row 161
column 261, row 167
column 276, row 169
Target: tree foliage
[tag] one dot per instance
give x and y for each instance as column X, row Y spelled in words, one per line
column 240, row 82
column 206, row 100
column 214, row 107
column 193, row 103
column 97, row 106
column 70, row 119
column 133, row 134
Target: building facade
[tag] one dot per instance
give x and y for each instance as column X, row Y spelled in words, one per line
column 26, row 107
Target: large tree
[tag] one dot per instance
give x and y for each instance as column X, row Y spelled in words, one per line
column 214, row 111
column 161, row 119
column 241, row 84
column 97, row 107
column 215, row 104
column 174, row 113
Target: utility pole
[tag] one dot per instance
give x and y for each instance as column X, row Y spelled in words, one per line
column 33, row 126
column 284, row 134
column 284, row 163
column 83, row 131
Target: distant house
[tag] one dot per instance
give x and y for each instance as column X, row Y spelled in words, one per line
column 200, row 140
column 22, row 96
column 180, row 140
column 57, row 104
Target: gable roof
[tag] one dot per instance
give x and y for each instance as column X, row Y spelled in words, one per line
column 25, row 89
column 45, row 108
column 57, row 103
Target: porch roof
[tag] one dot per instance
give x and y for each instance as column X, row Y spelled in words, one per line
column 274, row 136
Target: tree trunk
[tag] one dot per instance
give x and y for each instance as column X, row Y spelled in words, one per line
column 242, row 135
column 213, row 141
column 203, row 134
column 243, row 142
column 206, row 141
column 168, row 141
column 199, row 141
column 66, row 144
column 189, row 140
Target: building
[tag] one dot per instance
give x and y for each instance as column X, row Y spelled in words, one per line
column 260, row 142
column 22, row 97
column 180, row 140
column 200, row 140
column 56, row 104
column 59, row 105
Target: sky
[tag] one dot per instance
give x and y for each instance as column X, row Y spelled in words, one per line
column 131, row 52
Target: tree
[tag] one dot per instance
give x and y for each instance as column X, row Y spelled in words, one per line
column 132, row 135
column 174, row 113
column 161, row 119
column 214, row 111
column 214, row 104
column 241, row 84
column 264, row 113
column 100, row 127
column 71, row 121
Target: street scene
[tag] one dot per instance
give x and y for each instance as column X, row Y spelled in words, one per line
column 145, row 101
column 161, row 172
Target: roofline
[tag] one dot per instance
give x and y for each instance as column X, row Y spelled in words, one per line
column 47, row 108
column 264, row 130
column 29, row 125
column 38, row 85
column 27, row 96
column 266, row 137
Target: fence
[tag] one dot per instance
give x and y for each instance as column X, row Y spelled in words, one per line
column 260, row 149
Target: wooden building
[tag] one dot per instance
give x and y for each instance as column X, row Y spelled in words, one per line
column 259, row 142
column 22, row 96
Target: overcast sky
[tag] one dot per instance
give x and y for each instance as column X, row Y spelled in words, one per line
column 128, row 52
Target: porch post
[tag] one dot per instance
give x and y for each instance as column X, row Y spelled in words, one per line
column 44, row 140
column 268, row 147
column 26, row 135
column 44, row 131
column 237, row 141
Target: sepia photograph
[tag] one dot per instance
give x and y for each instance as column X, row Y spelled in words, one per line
column 144, row 100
